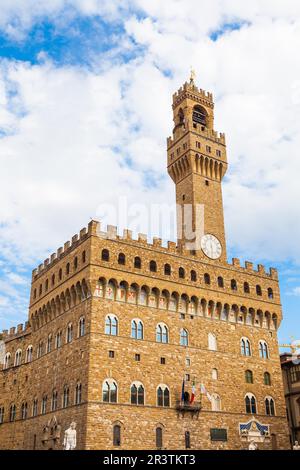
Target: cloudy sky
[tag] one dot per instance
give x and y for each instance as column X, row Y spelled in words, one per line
column 85, row 109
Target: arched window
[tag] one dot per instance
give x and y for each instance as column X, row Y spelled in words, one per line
column 267, row 378
column 35, row 407
column 34, row 294
column 212, row 342
column 54, row 400
column 60, row 274
column 53, row 279
column 220, row 282
column 167, row 270
column 233, row 284
column 111, row 325
column 137, row 394
column 18, row 357
column 270, row 293
column 24, row 409
column 214, row 374
column 137, row 329
column 78, row 391
column 1, row 414
column 109, row 391
column 258, row 290
column 7, row 359
column 46, row 285
column 193, row 276
column 187, row 439
column 250, row 403
column 137, row 262
column 58, row 337
column 246, row 288
column 29, row 354
column 270, row 406
column 40, row 349
column 207, row 278
column 83, row 257
column 215, row 402
column 49, row 343
column 263, row 350
column 249, row 376
column 163, row 396
column 75, row 263
column 153, row 266
column 44, row 405
column 117, row 435
column 184, row 337
column 245, row 347
column 159, row 437
column 121, row 259
column 12, row 413
column 81, row 327
column 181, row 273
column 66, row 396
column 69, row 333
column 40, row 289
column 162, row 333
column 68, row 268
column 105, row 255
column 199, row 115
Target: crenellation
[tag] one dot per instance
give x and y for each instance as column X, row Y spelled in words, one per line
column 82, row 233
column 127, row 234
column 67, row 245
column 236, row 262
column 46, row 262
column 60, row 251
column 74, row 239
column 12, row 331
column 273, row 273
column 52, row 258
column 142, row 238
column 249, row 266
column 157, row 242
column 261, row 269
column 112, row 232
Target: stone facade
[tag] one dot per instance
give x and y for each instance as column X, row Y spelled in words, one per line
column 290, row 366
column 202, row 320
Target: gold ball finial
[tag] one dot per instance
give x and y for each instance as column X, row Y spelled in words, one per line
column 192, row 76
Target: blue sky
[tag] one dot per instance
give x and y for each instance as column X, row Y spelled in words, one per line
column 85, row 102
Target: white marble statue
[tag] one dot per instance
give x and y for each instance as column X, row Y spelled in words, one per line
column 252, row 445
column 70, row 437
column 296, row 446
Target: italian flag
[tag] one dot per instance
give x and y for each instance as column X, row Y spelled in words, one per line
column 193, row 393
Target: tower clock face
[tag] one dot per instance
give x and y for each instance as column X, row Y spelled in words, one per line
column 211, row 246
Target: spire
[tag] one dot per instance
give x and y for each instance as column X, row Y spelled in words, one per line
column 192, row 76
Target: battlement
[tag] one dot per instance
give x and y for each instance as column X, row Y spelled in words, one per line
column 15, row 332
column 218, row 137
column 193, row 89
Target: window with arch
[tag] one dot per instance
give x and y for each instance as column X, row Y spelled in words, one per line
column 40, row 289
column 181, row 273
column 121, row 259
column 207, row 279
column 69, row 333
column 68, row 268
column 250, row 404
column 12, row 413
column 116, row 435
column 233, row 284
column 270, row 406
column 184, row 337
column 2, row 414
column 83, row 257
column 199, row 115
column 49, row 343
column 75, row 263
column 44, row 405
column 18, row 357
column 111, row 325
column 54, row 400
column 34, row 294
column 40, row 349
column 58, row 339
column 245, row 347
column 137, row 329
column 66, row 397
column 163, row 396
column 270, row 293
column 81, row 327
column 263, row 350
column 29, row 354
column 212, row 342
column 35, row 407
column 24, row 410
column 159, row 437
column 78, row 393
column 53, row 279
column 46, row 285
column 214, row 374
column 60, row 274
column 215, row 402
column 7, row 360
column 167, row 270
column 109, row 391
column 220, row 282
column 193, row 276
column 162, row 333
column 105, row 255
column 246, row 288
column 187, row 439
column 267, row 378
column 153, row 266
column 137, row 262
column 249, row 376
column 258, row 290
column 137, row 394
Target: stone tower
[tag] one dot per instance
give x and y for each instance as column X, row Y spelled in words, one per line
column 197, row 163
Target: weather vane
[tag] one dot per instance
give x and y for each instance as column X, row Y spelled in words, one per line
column 192, row 76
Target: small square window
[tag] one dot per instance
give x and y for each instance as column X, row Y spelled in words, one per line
column 187, row 377
column 137, row 357
column 182, row 316
column 187, row 362
column 163, row 360
column 206, row 182
column 111, row 354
